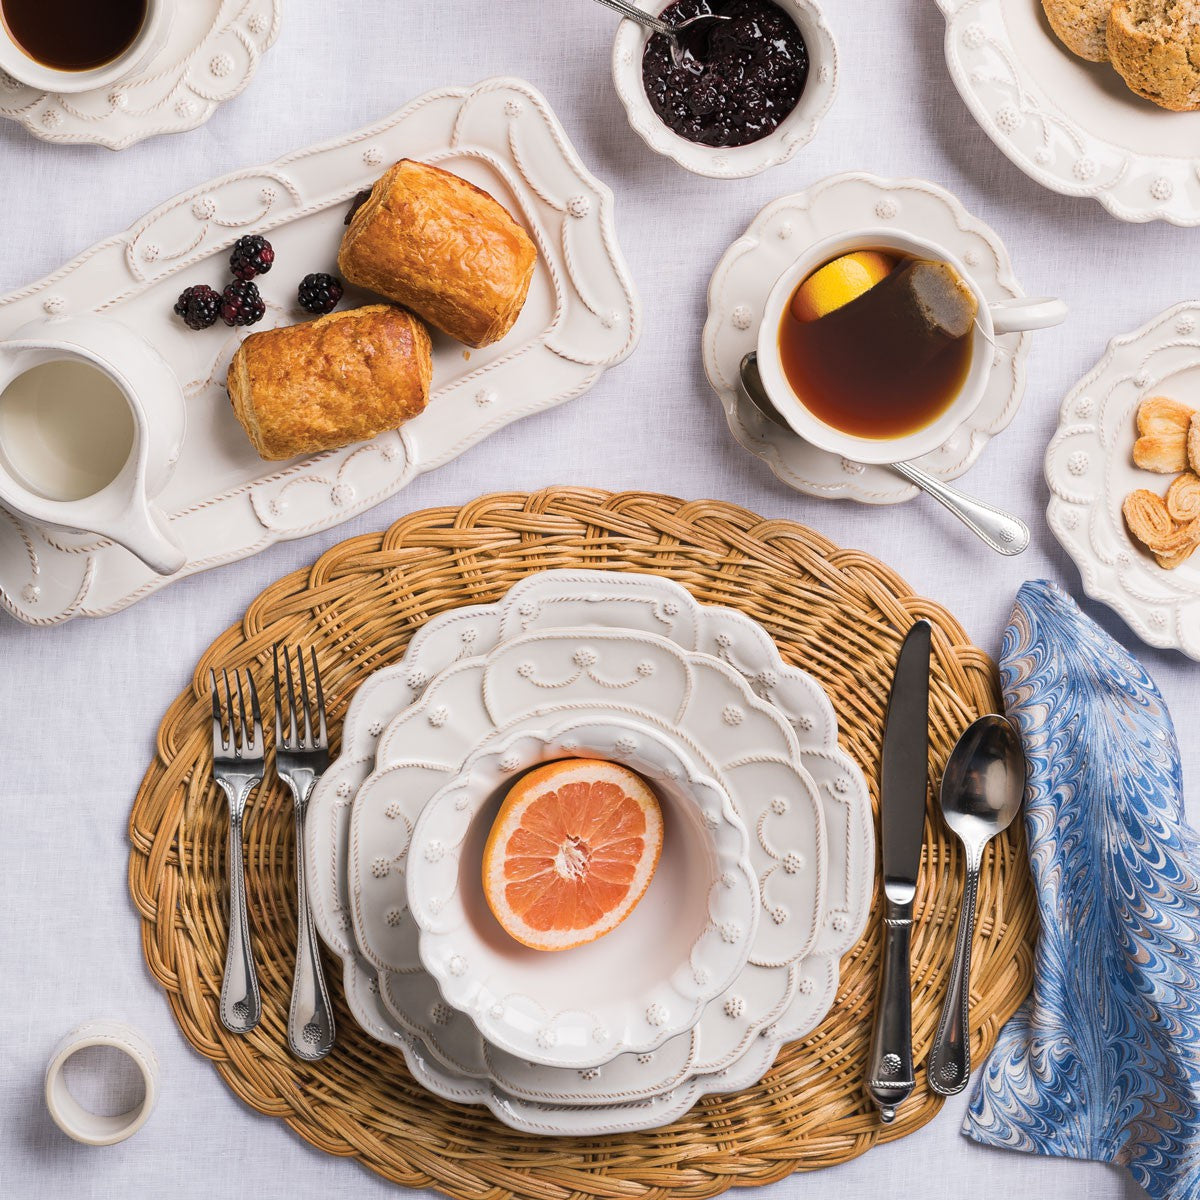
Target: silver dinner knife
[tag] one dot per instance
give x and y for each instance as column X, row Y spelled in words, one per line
column 904, row 774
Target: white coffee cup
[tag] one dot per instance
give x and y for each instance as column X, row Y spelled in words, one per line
column 90, row 447
column 22, row 66
column 995, row 318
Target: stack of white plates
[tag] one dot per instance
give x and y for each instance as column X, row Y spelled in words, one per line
column 627, row 667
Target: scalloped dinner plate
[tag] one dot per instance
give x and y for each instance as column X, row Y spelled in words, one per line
column 224, row 503
column 1090, row 470
column 1071, row 125
column 635, row 1099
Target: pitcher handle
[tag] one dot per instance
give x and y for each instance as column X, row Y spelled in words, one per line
column 1024, row 313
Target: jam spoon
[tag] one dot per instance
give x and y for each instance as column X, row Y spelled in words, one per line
column 1002, row 531
column 686, row 38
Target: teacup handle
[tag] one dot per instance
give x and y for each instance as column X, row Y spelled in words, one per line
column 1023, row 313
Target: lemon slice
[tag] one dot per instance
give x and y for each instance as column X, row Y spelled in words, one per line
column 839, row 282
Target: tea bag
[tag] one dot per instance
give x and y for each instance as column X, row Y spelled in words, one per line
column 914, row 313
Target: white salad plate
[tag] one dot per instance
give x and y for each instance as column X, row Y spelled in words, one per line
column 605, row 599
column 641, row 984
column 1071, row 125
column 703, row 704
column 211, row 51
column 224, row 503
column 776, row 238
column 1090, row 471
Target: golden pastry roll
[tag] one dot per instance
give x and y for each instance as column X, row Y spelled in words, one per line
column 439, row 245
column 342, row 378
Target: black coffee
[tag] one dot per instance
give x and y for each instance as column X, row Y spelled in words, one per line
column 74, row 35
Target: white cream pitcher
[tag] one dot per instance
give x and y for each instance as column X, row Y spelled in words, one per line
column 91, row 423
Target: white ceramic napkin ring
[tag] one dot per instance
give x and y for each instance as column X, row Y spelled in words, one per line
column 77, row 1122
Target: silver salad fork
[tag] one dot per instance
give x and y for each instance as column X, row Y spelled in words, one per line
column 301, row 758
column 238, row 769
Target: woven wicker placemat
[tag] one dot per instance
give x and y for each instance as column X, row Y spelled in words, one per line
column 839, row 614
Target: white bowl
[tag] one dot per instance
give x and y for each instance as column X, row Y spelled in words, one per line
column 730, row 162
column 629, row 991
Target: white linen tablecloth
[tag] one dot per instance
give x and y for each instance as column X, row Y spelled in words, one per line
column 79, row 704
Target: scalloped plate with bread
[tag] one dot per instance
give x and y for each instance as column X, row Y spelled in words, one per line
column 579, row 316
column 1076, row 126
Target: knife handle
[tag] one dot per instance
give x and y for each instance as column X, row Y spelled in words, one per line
column 890, row 1073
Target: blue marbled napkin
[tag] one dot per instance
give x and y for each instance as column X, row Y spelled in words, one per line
column 1103, row 1060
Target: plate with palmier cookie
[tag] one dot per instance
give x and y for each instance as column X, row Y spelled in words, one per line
column 1123, row 469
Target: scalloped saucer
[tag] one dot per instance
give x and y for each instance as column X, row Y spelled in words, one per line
column 748, row 270
column 1089, row 468
column 1073, row 126
column 211, row 52
column 224, row 503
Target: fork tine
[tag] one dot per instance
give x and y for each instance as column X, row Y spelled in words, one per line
column 218, row 730
column 323, row 740
column 308, row 729
column 244, row 737
column 278, row 700
column 255, row 712
column 287, row 662
column 231, row 744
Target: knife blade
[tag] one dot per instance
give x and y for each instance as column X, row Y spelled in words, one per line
column 904, row 778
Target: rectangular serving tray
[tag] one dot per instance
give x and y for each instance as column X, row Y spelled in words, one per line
column 582, row 316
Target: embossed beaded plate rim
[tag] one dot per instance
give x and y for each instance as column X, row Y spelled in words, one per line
column 224, row 503
column 838, row 613
column 1090, row 470
column 1070, row 125
column 212, row 50
column 748, row 270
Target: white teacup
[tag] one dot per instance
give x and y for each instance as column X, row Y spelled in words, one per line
column 23, row 67
column 995, row 318
column 91, row 423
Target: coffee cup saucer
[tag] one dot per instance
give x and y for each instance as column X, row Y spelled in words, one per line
column 210, row 53
column 780, row 234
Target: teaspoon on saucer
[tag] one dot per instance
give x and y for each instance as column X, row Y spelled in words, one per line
column 1005, row 533
column 982, row 789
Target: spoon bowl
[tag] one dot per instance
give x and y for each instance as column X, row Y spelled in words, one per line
column 982, row 789
column 688, row 38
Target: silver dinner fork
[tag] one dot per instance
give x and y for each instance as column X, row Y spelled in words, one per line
column 238, row 769
column 301, row 758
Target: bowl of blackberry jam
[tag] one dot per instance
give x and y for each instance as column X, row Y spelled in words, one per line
column 743, row 97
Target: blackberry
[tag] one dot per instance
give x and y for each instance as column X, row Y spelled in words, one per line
column 199, row 306
column 252, row 255
column 241, row 303
column 319, row 293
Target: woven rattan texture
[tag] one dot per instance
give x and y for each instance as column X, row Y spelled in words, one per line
column 837, row 613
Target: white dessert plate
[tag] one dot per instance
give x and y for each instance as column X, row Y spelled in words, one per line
column 211, row 51
column 644, row 982
column 1090, row 471
column 748, row 270
column 1071, row 125
column 224, row 502
column 701, row 703
column 604, row 599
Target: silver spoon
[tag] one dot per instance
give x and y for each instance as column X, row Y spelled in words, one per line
column 686, row 38
column 1005, row 533
column 981, row 794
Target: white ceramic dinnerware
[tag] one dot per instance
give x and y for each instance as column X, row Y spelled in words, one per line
column 995, row 318
column 1069, row 124
column 91, row 422
column 781, row 233
column 148, row 40
column 208, row 51
column 731, row 162
column 1090, row 470
column 634, row 1097
column 223, row 502
column 630, row 991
